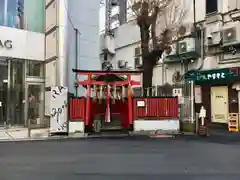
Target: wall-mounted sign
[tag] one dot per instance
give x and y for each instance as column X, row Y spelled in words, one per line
column 140, row 103
column 198, row 94
column 177, row 92
column 7, row 44
column 215, row 75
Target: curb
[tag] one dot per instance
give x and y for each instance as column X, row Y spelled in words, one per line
column 85, row 136
column 43, row 139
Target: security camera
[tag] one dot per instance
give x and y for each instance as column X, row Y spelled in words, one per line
column 209, row 36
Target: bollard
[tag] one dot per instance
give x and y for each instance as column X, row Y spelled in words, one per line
column 203, row 131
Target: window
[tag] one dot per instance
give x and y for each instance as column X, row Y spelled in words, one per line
column 34, row 68
column 2, row 3
column 11, row 13
column 34, row 11
column 211, row 6
column 137, row 57
column 138, row 51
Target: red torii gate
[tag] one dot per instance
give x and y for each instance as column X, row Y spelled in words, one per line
column 89, row 82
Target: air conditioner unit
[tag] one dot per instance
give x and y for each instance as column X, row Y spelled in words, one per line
column 186, row 46
column 172, row 51
column 121, row 64
column 114, row 2
column 231, row 34
column 185, row 30
column 109, row 44
column 138, row 62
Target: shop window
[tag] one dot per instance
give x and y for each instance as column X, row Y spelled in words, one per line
column 34, row 68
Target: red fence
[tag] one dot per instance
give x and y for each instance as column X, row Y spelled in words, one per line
column 143, row 108
column 155, row 108
column 77, row 109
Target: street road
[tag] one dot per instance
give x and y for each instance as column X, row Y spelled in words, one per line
column 182, row 158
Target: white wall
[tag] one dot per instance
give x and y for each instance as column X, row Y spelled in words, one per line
column 85, row 17
column 25, row 44
column 64, row 16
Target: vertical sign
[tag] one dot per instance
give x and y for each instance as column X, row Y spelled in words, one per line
column 198, row 94
column 59, row 113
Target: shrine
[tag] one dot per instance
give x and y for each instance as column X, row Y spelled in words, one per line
column 109, row 104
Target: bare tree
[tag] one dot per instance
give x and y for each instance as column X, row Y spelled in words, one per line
column 157, row 20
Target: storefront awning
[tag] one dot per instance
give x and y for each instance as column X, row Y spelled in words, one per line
column 214, row 75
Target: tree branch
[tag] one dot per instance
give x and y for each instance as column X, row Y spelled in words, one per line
column 153, row 20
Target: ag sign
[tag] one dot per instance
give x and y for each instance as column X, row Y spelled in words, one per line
column 7, row 44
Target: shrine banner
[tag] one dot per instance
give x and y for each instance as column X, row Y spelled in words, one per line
column 59, row 109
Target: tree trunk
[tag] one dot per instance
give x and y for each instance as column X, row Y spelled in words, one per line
column 147, row 76
column 147, row 63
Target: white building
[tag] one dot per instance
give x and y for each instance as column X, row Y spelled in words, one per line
column 220, row 40
column 42, row 53
column 62, row 17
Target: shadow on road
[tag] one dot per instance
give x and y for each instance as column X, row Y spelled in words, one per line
column 216, row 136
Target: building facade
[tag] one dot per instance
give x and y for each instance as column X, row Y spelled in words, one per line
column 38, row 51
column 72, row 42
column 210, row 56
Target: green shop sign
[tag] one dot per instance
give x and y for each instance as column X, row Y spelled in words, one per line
column 224, row 74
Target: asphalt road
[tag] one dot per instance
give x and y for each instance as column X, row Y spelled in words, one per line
column 188, row 158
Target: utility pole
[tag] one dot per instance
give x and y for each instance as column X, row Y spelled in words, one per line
column 194, row 15
column 76, row 58
column 108, row 33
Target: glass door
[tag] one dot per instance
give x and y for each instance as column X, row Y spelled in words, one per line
column 3, row 92
column 34, row 105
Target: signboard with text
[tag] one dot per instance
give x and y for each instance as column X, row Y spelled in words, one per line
column 215, row 75
column 59, row 112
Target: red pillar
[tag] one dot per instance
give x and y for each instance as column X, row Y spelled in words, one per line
column 88, row 99
column 107, row 104
column 130, row 104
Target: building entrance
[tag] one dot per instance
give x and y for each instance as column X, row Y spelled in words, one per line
column 3, row 91
column 34, row 105
column 21, row 93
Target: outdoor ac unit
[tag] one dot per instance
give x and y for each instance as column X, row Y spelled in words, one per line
column 173, row 51
column 138, row 62
column 185, row 30
column 121, row 64
column 187, row 45
column 231, row 35
column 114, row 2
column 109, row 44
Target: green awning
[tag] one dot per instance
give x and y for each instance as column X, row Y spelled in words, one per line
column 214, row 75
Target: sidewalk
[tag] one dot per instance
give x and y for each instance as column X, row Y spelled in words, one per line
column 22, row 134
column 19, row 133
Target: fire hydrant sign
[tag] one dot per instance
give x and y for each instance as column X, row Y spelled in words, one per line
column 59, row 112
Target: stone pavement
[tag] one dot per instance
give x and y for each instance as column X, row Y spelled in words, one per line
column 22, row 134
column 19, row 133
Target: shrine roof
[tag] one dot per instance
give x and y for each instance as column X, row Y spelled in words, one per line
column 102, row 72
